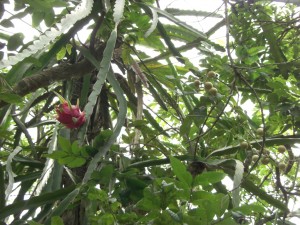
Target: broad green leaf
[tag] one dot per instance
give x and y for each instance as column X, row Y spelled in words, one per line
column 15, row 41
column 61, row 54
column 69, row 48
column 180, row 171
column 58, row 154
column 223, row 202
column 251, row 209
column 37, row 18
column 6, row 23
column 56, row 220
column 76, row 162
column 102, row 138
column 64, row 144
column 209, row 177
column 10, row 98
column 76, row 149
column 49, row 17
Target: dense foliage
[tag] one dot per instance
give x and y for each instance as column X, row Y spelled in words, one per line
column 148, row 135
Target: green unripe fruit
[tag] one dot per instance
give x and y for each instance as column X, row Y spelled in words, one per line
column 282, row 166
column 266, row 152
column 281, row 148
column 255, row 158
column 211, row 74
column 208, row 86
column 213, row 91
column 265, row 160
column 244, row 145
column 260, row 131
column 197, row 83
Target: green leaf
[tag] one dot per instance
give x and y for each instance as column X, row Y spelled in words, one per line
column 10, row 98
column 49, row 17
column 77, row 162
column 104, row 175
column 61, row 54
column 15, row 41
column 180, row 171
column 222, row 202
column 69, row 48
column 56, row 220
column 37, row 18
column 250, row 209
column 76, row 149
column 102, row 138
column 186, row 125
column 64, row 144
column 209, row 177
column 58, row 155
column 6, row 23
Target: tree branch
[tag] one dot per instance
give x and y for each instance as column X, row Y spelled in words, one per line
column 49, row 76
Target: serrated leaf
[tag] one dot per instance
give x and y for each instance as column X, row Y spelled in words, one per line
column 237, row 179
column 118, row 11
column 180, row 171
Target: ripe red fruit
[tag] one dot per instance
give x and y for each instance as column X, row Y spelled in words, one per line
column 70, row 115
